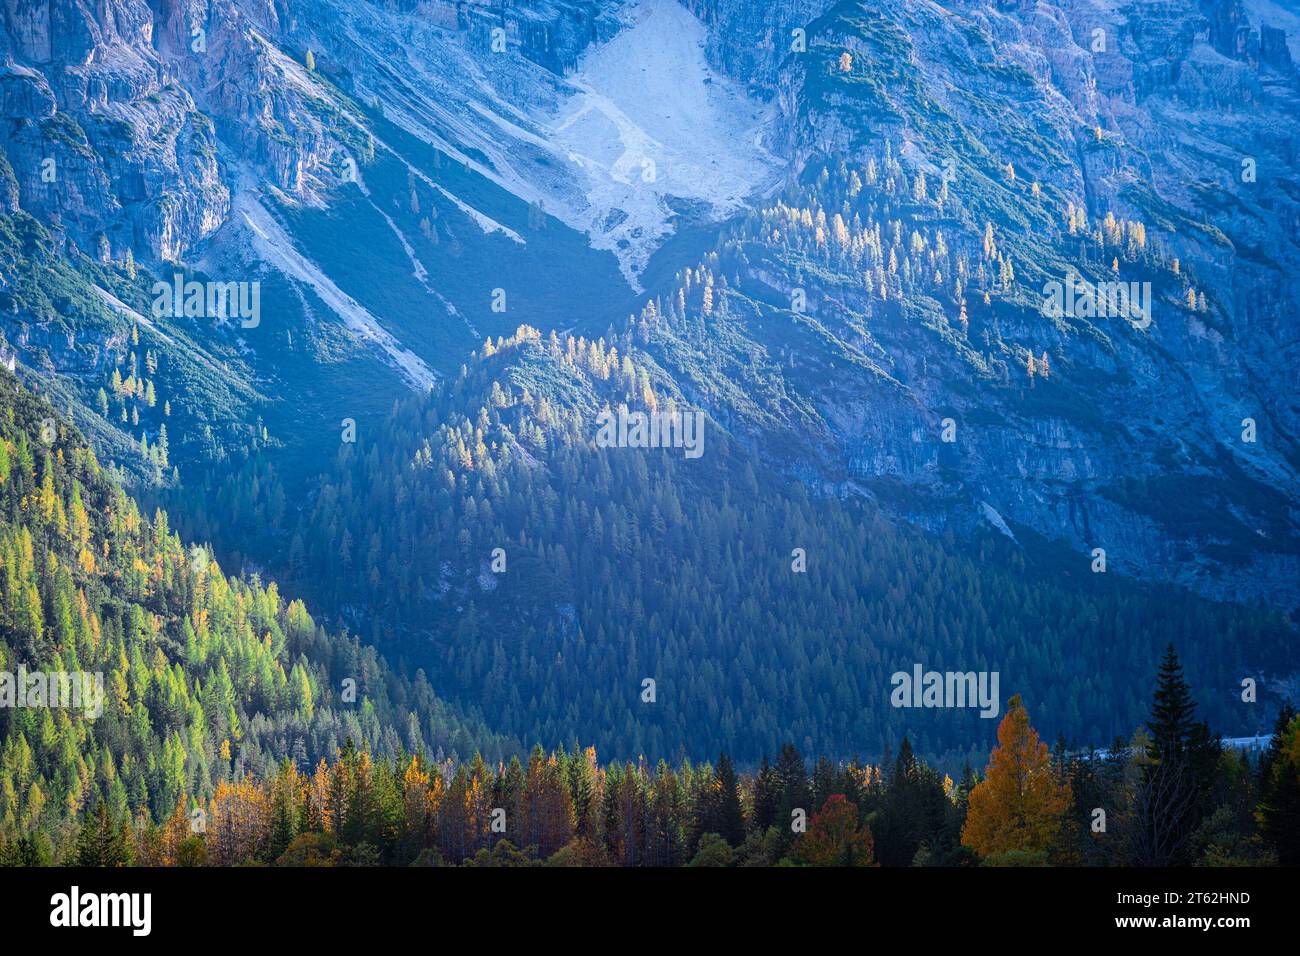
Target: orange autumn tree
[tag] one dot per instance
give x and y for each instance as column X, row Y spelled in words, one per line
column 834, row 837
column 1020, row 805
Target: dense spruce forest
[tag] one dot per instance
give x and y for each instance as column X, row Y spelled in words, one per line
column 227, row 737
column 616, row 566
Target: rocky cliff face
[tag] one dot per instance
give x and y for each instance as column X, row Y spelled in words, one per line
column 550, row 33
column 129, row 122
column 1180, row 115
column 137, row 125
column 105, row 143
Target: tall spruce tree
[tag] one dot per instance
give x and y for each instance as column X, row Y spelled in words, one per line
column 766, row 797
column 792, row 782
column 733, row 820
column 1173, row 795
column 1172, row 710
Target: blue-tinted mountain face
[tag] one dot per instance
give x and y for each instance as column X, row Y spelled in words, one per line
column 1012, row 284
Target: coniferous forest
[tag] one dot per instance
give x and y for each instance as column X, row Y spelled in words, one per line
column 231, row 734
column 616, row 436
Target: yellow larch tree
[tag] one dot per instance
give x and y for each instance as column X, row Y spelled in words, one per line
column 1020, row 805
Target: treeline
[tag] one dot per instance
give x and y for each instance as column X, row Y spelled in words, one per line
column 1172, row 798
column 206, row 678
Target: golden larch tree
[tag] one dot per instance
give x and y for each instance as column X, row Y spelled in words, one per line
column 1020, row 805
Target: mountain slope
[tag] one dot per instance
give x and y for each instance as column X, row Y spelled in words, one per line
column 432, row 180
column 487, row 534
column 1015, row 148
column 858, row 295
column 202, row 678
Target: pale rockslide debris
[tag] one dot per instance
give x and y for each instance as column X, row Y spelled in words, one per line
column 642, row 124
column 649, row 121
